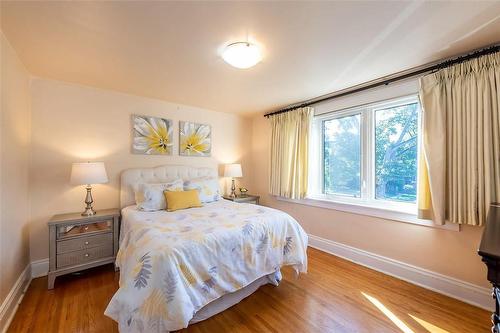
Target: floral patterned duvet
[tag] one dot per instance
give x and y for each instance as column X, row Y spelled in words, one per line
column 174, row 263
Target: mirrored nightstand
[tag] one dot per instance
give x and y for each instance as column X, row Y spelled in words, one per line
column 79, row 242
column 253, row 199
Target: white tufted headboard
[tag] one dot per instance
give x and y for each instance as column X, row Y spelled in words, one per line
column 160, row 174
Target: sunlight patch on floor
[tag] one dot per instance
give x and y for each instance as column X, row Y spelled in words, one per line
column 428, row 326
column 398, row 322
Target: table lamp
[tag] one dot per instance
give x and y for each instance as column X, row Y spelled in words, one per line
column 88, row 173
column 233, row 171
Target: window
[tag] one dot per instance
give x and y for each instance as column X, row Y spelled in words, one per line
column 368, row 155
column 342, row 155
column 396, row 132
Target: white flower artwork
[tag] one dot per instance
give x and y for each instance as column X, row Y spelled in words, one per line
column 152, row 135
column 194, row 139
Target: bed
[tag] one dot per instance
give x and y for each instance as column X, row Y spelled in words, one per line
column 178, row 268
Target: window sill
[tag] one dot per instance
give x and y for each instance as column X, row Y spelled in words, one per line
column 393, row 214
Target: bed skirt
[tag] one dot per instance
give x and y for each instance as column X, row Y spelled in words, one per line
column 228, row 300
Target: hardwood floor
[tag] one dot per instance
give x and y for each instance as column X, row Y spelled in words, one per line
column 335, row 296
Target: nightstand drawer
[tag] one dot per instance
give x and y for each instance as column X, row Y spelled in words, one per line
column 82, row 243
column 253, row 201
column 84, row 256
column 67, row 231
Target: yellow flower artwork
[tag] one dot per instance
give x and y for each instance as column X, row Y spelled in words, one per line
column 194, row 139
column 152, row 135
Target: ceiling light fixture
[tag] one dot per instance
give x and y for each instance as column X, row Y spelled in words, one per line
column 242, row 55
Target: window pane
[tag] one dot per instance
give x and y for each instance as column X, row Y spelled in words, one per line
column 396, row 131
column 342, row 156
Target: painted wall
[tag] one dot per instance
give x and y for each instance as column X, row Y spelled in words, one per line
column 447, row 252
column 74, row 123
column 14, row 168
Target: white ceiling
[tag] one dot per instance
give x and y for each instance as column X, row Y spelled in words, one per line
column 170, row 50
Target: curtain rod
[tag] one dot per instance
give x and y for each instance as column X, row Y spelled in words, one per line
column 431, row 67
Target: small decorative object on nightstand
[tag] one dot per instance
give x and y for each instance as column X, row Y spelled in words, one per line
column 233, row 171
column 243, row 191
column 79, row 242
column 248, row 198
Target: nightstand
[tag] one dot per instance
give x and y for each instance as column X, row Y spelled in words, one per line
column 79, row 242
column 253, row 199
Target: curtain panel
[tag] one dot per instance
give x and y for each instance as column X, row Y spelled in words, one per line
column 460, row 167
column 290, row 133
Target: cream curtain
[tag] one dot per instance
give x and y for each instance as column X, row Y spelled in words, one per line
column 289, row 153
column 460, row 173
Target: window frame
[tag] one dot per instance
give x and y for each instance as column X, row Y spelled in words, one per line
column 368, row 160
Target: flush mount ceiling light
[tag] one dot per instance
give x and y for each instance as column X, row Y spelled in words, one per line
column 242, row 55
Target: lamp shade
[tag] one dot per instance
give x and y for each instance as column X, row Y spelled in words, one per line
column 88, row 173
column 232, row 170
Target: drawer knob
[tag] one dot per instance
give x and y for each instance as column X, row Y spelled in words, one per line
column 86, row 242
column 86, row 254
column 86, row 228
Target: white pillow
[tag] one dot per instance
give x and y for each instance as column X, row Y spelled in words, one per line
column 149, row 197
column 208, row 188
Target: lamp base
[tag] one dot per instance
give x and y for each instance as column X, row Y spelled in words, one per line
column 89, row 212
column 233, row 189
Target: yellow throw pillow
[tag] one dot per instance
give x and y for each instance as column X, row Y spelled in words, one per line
column 182, row 199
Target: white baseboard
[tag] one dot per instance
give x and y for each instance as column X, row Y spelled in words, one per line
column 40, row 268
column 9, row 306
column 446, row 285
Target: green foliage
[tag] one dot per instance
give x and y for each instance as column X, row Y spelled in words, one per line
column 396, row 131
column 342, row 155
